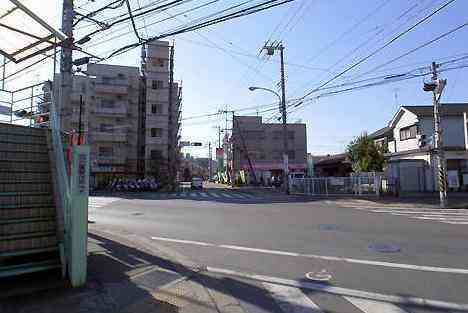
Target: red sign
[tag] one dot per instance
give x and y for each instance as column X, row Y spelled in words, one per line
column 219, row 153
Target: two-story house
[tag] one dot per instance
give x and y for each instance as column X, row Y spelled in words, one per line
column 408, row 138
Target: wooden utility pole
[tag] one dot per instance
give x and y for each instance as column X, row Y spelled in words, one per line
column 437, row 87
column 66, row 57
column 271, row 48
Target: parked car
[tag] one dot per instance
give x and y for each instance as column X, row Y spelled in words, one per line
column 197, row 183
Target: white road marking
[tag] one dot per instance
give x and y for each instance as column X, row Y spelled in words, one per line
column 323, row 257
column 412, row 211
column 193, row 194
column 371, row 306
column 97, row 202
column 198, row 243
column 204, row 194
column 259, row 250
column 227, row 195
column 291, row 299
column 398, row 300
column 214, row 194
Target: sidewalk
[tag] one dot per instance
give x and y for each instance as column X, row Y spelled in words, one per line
column 125, row 277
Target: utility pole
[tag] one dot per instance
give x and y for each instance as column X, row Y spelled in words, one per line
column 271, row 48
column 210, row 156
column 66, row 57
column 437, row 87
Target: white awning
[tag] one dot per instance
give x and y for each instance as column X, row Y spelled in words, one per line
column 23, row 34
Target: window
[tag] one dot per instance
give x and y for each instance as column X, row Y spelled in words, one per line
column 157, row 62
column 106, row 80
column 291, row 135
column 408, row 132
column 156, row 132
column 107, row 103
column 105, row 151
column 106, row 128
column 277, row 134
column 156, row 108
column 157, row 84
column 291, row 155
column 156, row 154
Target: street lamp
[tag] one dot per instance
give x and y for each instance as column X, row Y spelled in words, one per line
column 282, row 108
column 253, row 88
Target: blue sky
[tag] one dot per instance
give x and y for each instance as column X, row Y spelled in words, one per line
column 218, row 64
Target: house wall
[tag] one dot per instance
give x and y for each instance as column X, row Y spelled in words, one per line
column 407, row 119
column 453, row 134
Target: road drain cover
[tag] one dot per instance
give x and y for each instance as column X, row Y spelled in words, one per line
column 137, row 214
column 321, row 276
column 328, row 227
column 384, row 248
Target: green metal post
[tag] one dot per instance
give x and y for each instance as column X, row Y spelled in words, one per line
column 79, row 215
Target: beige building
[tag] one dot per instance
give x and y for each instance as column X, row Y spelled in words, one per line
column 126, row 117
column 162, row 111
column 263, row 144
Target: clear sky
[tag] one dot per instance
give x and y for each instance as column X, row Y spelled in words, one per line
column 219, row 63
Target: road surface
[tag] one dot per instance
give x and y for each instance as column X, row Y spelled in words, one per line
column 283, row 245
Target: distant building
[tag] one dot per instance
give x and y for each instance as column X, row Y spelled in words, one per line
column 337, row 165
column 260, row 145
column 411, row 158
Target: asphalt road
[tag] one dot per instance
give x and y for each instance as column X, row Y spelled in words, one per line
column 285, row 237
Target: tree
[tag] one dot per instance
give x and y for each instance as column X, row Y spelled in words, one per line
column 365, row 155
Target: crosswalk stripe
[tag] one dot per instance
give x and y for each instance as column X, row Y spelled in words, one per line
column 214, row 194
column 204, row 195
column 370, row 306
column 226, row 195
column 291, row 299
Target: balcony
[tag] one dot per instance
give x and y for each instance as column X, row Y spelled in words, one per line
column 114, row 88
column 119, row 110
column 108, row 137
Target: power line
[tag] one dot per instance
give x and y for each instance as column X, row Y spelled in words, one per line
column 418, row 47
column 400, row 35
column 243, row 12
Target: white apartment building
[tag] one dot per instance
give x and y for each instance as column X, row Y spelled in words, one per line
column 162, row 114
column 110, row 100
column 125, row 117
column 411, row 159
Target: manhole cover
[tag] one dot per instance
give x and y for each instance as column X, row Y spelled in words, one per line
column 328, row 227
column 322, row 276
column 137, row 213
column 384, row 248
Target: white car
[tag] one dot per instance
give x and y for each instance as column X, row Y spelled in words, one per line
column 197, row 183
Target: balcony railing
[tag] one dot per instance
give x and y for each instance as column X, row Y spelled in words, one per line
column 109, row 137
column 113, row 88
column 117, row 110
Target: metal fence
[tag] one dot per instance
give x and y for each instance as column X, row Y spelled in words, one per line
column 327, row 186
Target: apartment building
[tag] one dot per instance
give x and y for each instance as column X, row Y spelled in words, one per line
column 411, row 157
column 162, row 110
column 109, row 118
column 126, row 117
column 260, row 145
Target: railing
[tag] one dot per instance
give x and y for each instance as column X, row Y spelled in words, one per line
column 329, row 186
column 63, row 194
